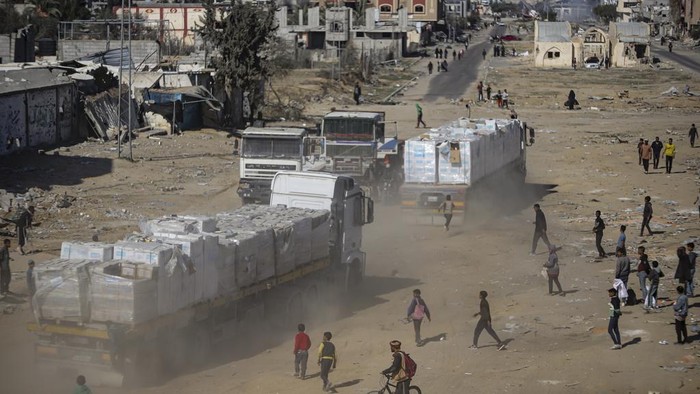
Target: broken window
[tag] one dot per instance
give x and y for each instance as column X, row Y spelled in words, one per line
column 337, row 27
column 385, row 8
column 419, row 9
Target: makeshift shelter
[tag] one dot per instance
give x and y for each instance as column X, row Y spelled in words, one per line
column 630, row 43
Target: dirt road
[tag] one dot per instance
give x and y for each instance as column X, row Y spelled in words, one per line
column 555, row 343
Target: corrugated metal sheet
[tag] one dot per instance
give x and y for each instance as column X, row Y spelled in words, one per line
column 111, row 57
column 102, row 110
column 144, row 80
column 553, row 32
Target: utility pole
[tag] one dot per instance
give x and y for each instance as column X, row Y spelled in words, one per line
column 124, row 103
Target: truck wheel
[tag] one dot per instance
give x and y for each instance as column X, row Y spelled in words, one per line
column 173, row 351
column 354, row 273
column 247, row 200
column 142, row 367
column 200, row 345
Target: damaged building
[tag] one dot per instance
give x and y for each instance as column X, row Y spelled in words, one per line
column 37, row 108
column 630, row 43
column 595, row 46
column 381, row 40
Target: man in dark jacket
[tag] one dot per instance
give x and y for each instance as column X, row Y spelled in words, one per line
column 683, row 268
column 540, row 229
column 23, row 223
column 598, row 228
column 485, row 322
column 656, row 147
column 646, row 216
column 416, row 311
column 397, row 370
column 357, row 93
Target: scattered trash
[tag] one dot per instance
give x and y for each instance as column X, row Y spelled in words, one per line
column 672, row 91
column 663, row 342
column 676, row 369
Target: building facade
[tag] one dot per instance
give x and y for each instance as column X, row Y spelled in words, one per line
column 417, row 10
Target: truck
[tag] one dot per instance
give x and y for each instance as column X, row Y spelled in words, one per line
column 264, row 152
column 259, row 264
column 357, row 145
column 457, row 159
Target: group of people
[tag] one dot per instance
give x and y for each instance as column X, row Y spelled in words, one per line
column 6, row 272
column 501, row 97
column 648, row 151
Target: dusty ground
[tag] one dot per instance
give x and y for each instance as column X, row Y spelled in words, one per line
column 556, row 344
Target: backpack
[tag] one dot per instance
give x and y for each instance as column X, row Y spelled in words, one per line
column 418, row 312
column 410, row 366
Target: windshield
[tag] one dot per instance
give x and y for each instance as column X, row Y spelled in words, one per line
column 351, row 129
column 271, row 148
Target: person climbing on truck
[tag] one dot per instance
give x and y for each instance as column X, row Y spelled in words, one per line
column 417, row 310
column 327, row 359
column 447, row 207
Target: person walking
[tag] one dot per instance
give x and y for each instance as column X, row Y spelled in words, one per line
column 622, row 239
column 397, row 370
column 480, row 90
column 454, row 55
column 357, row 93
column 680, row 312
column 499, row 99
column 692, row 259
column 417, row 310
column 693, row 134
column 622, row 267
column 5, row 273
column 639, row 149
column 430, row 68
column 683, row 268
column 655, row 274
column 484, row 322
column 670, row 46
column 444, row 65
column 670, row 154
column 327, row 359
column 419, row 116
column 646, row 155
column 302, row 344
column 643, row 269
column 540, row 229
column 81, row 387
column 598, row 228
column 446, row 208
column 483, row 54
column 614, row 313
column 504, row 99
column 488, row 92
column 24, row 222
column 656, row 147
column 552, row 266
column 437, row 53
column 647, row 214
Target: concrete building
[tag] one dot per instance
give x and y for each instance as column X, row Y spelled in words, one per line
column 378, row 39
column 553, row 45
column 417, row 10
column 628, row 9
column 38, row 107
column 596, row 44
column 456, row 8
column 630, row 43
column 690, row 13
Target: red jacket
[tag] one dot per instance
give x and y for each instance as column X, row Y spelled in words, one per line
column 301, row 342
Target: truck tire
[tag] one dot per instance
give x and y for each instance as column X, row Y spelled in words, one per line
column 354, row 273
column 143, row 366
column 200, row 345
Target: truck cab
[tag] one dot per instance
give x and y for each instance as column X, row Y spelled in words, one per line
column 352, row 141
column 264, row 152
column 350, row 209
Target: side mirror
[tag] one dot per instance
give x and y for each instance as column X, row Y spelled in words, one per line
column 369, row 210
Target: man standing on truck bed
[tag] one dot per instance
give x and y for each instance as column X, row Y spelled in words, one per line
column 327, row 359
column 540, row 229
column 302, row 344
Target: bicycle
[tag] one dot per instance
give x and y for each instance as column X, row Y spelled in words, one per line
column 386, row 382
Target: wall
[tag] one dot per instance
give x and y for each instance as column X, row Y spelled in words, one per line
column 7, row 48
column 182, row 19
column 38, row 117
column 73, row 49
column 565, row 50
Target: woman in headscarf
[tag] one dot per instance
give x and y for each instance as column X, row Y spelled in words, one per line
column 552, row 266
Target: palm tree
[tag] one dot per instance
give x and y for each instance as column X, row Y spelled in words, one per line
column 45, row 8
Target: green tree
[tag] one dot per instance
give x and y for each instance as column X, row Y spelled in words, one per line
column 240, row 34
column 10, row 19
column 607, row 12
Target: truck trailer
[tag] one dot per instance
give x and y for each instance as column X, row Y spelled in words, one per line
column 456, row 159
column 128, row 313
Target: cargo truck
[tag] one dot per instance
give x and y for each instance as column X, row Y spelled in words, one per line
column 121, row 322
column 357, row 145
column 457, row 159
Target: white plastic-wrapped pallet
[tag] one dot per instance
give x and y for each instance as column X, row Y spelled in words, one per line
column 63, row 290
column 94, row 251
column 192, row 246
column 119, row 299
